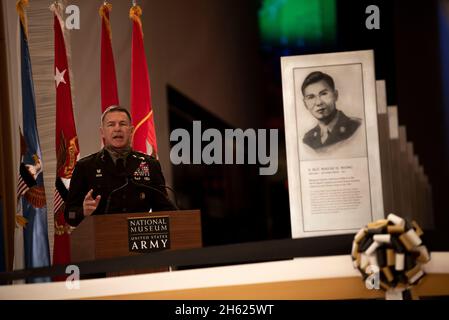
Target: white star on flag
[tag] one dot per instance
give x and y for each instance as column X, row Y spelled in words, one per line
column 59, row 77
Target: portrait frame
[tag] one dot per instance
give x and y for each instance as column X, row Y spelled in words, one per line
column 318, row 206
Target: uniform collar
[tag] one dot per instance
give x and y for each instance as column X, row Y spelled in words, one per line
column 331, row 125
column 131, row 164
column 118, row 153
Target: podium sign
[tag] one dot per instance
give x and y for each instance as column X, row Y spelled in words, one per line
column 148, row 234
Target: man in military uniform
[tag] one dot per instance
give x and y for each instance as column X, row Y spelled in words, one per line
column 333, row 126
column 116, row 179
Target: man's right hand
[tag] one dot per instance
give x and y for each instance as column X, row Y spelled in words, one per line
column 90, row 204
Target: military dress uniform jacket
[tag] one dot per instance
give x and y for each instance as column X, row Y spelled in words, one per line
column 343, row 129
column 138, row 189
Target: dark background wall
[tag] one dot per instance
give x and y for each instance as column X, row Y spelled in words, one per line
column 420, row 94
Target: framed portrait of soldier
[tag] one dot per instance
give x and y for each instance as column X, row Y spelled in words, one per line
column 333, row 159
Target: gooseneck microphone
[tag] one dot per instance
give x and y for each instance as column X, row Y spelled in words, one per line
column 121, row 172
column 174, row 193
column 155, row 189
column 108, row 201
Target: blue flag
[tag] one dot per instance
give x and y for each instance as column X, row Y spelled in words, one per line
column 33, row 199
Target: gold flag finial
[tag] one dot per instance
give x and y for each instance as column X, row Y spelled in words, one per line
column 20, row 7
column 134, row 13
column 21, row 221
column 57, row 9
column 106, row 8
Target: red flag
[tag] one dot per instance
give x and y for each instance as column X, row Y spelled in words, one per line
column 109, row 95
column 67, row 148
column 144, row 138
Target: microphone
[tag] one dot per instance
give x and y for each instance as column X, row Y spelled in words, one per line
column 157, row 190
column 173, row 191
column 108, row 201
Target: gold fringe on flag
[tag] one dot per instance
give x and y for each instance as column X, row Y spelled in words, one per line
column 21, row 221
column 20, row 7
column 106, row 7
column 134, row 13
column 61, row 229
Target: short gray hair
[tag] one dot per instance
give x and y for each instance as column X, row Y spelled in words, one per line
column 115, row 108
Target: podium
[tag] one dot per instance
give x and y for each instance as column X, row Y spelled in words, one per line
column 108, row 235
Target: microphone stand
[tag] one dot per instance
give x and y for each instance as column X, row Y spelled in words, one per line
column 157, row 190
column 108, row 202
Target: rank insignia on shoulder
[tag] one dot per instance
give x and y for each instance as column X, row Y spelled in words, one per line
column 99, row 174
column 138, row 157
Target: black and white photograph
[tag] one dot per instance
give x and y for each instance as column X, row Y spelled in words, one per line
column 330, row 109
column 332, row 142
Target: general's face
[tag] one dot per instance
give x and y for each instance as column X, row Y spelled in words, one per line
column 116, row 130
column 320, row 99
